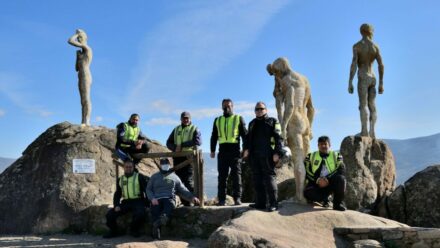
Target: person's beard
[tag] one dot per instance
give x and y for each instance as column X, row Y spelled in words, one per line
column 227, row 111
column 129, row 174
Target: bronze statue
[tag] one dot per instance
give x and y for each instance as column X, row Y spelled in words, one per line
column 82, row 66
column 364, row 53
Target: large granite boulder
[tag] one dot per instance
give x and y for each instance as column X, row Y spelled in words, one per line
column 294, row 225
column 41, row 194
column 417, row 201
column 370, row 171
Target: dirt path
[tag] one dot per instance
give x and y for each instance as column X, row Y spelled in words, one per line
column 75, row 241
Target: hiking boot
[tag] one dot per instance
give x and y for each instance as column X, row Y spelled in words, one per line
column 272, row 208
column 255, row 206
column 237, row 201
column 325, row 204
column 339, row 207
column 221, row 203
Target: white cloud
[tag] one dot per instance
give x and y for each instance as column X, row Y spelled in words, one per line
column 2, row 112
column 99, row 118
column 163, row 121
column 10, row 87
column 191, row 47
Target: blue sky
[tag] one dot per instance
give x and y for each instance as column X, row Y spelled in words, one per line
column 158, row 58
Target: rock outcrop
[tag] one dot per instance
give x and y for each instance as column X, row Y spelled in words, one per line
column 370, row 171
column 417, row 201
column 294, row 225
column 41, row 194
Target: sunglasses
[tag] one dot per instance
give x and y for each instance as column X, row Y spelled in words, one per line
column 259, row 109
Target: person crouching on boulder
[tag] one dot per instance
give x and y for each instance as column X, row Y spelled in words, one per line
column 161, row 190
column 131, row 187
column 325, row 175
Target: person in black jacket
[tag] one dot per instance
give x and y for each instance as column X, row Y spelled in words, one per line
column 227, row 129
column 131, row 187
column 130, row 140
column 263, row 147
column 325, row 175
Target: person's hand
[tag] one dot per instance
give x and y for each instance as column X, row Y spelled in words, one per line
column 276, row 158
column 195, row 200
column 245, row 153
column 139, row 144
column 381, row 89
column 212, row 154
column 154, row 202
column 350, row 88
column 178, row 148
column 322, row 182
column 117, row 209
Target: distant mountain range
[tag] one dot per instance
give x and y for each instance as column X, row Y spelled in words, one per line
column 414, row 155
column 5, row 162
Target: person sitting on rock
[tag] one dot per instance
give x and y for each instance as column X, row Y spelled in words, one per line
column 130, row 139
column 161, row 190
column 131, row 187
column 325, row 175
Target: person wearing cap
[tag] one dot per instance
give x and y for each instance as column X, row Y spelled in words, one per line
column 227, row 130
column 325, row 175
column 161, row 190
column 185, row 137
column 130, row 140
column 131, row 188
column 264, row 148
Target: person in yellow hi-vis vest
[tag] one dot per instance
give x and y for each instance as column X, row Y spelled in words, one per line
column 130, row 140
column 227, row 130
column 131, row 187
column 325, row 175
column 185, row 137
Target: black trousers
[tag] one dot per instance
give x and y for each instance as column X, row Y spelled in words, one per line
column 186, row 175
column 137, row 207
column 132, row 150
column 263, row 172
column 313, row 192
column 226, row 160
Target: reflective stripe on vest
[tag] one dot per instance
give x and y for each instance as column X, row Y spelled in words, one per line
column 277, row 130
column 131, row 133
column 130, row 187
column 315, row 161
column 184, row 134
column 227, row 128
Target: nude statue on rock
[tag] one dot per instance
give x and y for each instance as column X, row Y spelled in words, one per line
column 82, row 66
column 364, row 53
column 295, row 113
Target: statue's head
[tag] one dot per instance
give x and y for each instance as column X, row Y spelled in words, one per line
column 82, row 36
column 367, row 30
column 279, row 66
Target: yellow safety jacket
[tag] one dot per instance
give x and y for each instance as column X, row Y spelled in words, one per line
column 227, row 128
column 312, row 164
column 184, row 134
column 130, row 187
column 131, row 133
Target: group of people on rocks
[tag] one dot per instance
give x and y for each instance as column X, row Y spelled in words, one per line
column 262, row 147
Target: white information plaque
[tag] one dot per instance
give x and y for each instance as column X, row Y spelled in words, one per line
column 83, row 166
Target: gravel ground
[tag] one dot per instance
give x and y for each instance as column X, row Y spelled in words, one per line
column 84, row 240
